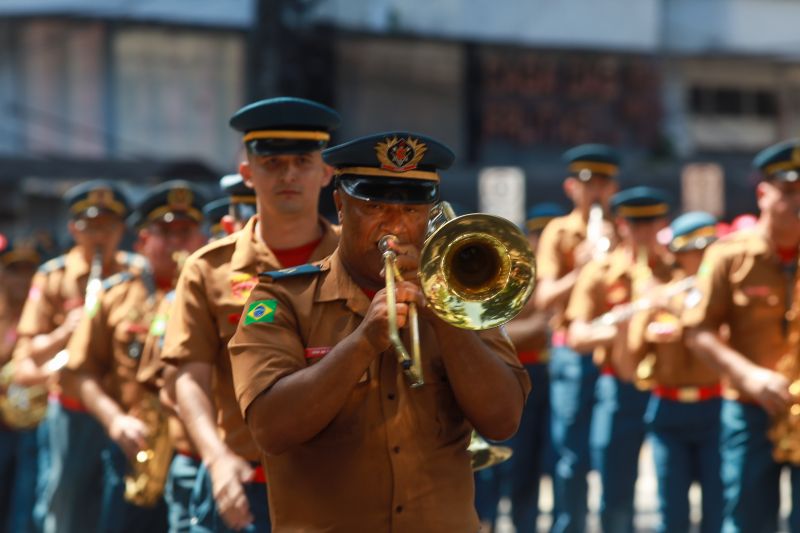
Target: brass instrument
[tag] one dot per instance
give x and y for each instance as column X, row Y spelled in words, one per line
column 485, row 455
column 25, row 407
column 476, row 271
column 144, row 483
column 594, row 231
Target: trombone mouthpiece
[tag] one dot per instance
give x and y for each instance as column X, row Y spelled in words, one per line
column 386, row 242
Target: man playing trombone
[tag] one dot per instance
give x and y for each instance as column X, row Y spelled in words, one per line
column 349, row 444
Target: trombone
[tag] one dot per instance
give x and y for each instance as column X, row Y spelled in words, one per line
column 476, row 271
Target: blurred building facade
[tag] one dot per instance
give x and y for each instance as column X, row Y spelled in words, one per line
column 136, row 90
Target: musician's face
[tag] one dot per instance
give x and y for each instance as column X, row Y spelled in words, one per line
column 643, row 232
column 598, row 190
column 364, row 223
column 16, row 278
column 781, row 201
column 158, row 242
column 689, row 261
column 103, row 232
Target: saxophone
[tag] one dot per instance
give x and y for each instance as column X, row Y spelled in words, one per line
column 25, row 407
column 784, row 432
column 144, row 483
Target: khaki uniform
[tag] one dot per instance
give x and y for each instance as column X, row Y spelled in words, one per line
column 108, row 342
column 151, row 368
column 212, row 290
column 742, row 285
column 394, row 458
column 8, row 331
column 58, row 287
column 675, row 365
column 602, row 285
column 555, row 256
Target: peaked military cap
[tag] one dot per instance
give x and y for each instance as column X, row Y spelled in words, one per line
column 18, row 251
column 393, row 167
column 285, row 125
column 242, row 198
column 171, row 200
column 539, row 215
column 641, row 203
column 693, row 231
column 589, row 160
column 91, row 198
column 213, row 212
column 780, row 162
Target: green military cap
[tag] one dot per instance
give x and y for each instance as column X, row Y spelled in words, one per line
column 393, row 167
column 780, row 162
column 592, row 160
column 693, row 231
column 91, row 198
column 19, row 251
column 285, row 125
column 171, row 200
column 213, row 212
column 641, row 203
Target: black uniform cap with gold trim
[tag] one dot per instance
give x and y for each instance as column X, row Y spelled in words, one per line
column 592, row 160
column 392, row 167
column 780, row 162
column 693, row 231
column 91, row 198
column 19, row 251
column 213, row 212
column 242, row 198
column 641, row 203
column 171, row 200
column 285, row 125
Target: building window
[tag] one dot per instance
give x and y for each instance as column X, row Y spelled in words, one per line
column 733, row 102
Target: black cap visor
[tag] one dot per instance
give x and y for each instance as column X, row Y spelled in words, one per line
column 391, row 191
column 283, row 146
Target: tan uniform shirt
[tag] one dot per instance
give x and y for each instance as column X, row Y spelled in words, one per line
column 394, row 458
column 602, row 285
column 212, row 290
column 8, row 330
column 555, row 256
column 108, row 342
column 151, row 368
column 675, row 365
column 742, row 285
column 58, row 287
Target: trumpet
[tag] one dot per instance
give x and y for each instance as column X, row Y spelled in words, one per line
column 477, row 271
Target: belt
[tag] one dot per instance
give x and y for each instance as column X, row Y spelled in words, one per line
column 688, row 394
column 189, row 454
column 69, row 403
column 532, row 357
column 559, row 338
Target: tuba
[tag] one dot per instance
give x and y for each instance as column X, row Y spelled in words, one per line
column 477, row 271
column 144, row 483
column 25, row 407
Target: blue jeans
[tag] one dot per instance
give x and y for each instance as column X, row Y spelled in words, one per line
column 71, row 500
column 616, row 438
column 8, row 468
column 685, row 441
column 206, row 519
column 750, row 476
column 23, row 496
column 117, row 514
column 572, row 383
column 178, row 492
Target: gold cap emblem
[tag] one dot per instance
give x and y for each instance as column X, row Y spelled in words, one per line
column 180, row 199
column 400, row 155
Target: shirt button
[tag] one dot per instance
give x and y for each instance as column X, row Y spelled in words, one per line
column 396, row 449
column 390, row 396
column 399, row 508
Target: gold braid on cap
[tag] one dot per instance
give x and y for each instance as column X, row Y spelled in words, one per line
column 379, row 172
column 642, row 211
column 683, row 240
column 287, row 134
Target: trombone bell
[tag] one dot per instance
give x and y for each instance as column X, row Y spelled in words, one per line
column 477, row 271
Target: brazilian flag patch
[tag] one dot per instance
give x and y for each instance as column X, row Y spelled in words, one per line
column 261, row 311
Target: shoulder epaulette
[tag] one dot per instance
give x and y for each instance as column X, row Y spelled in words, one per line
column 301, row 270
column 117, row 278
column 57, row 263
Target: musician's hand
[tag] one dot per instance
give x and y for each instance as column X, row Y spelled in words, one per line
column 71, row 321
column 229, row 473
column 769, row 388
column 664, row 328
column 407, row 260
column 129, row 433
column 375, row 326
column 584, row 252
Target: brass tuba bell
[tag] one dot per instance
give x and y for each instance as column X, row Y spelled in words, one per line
column 477, row 270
